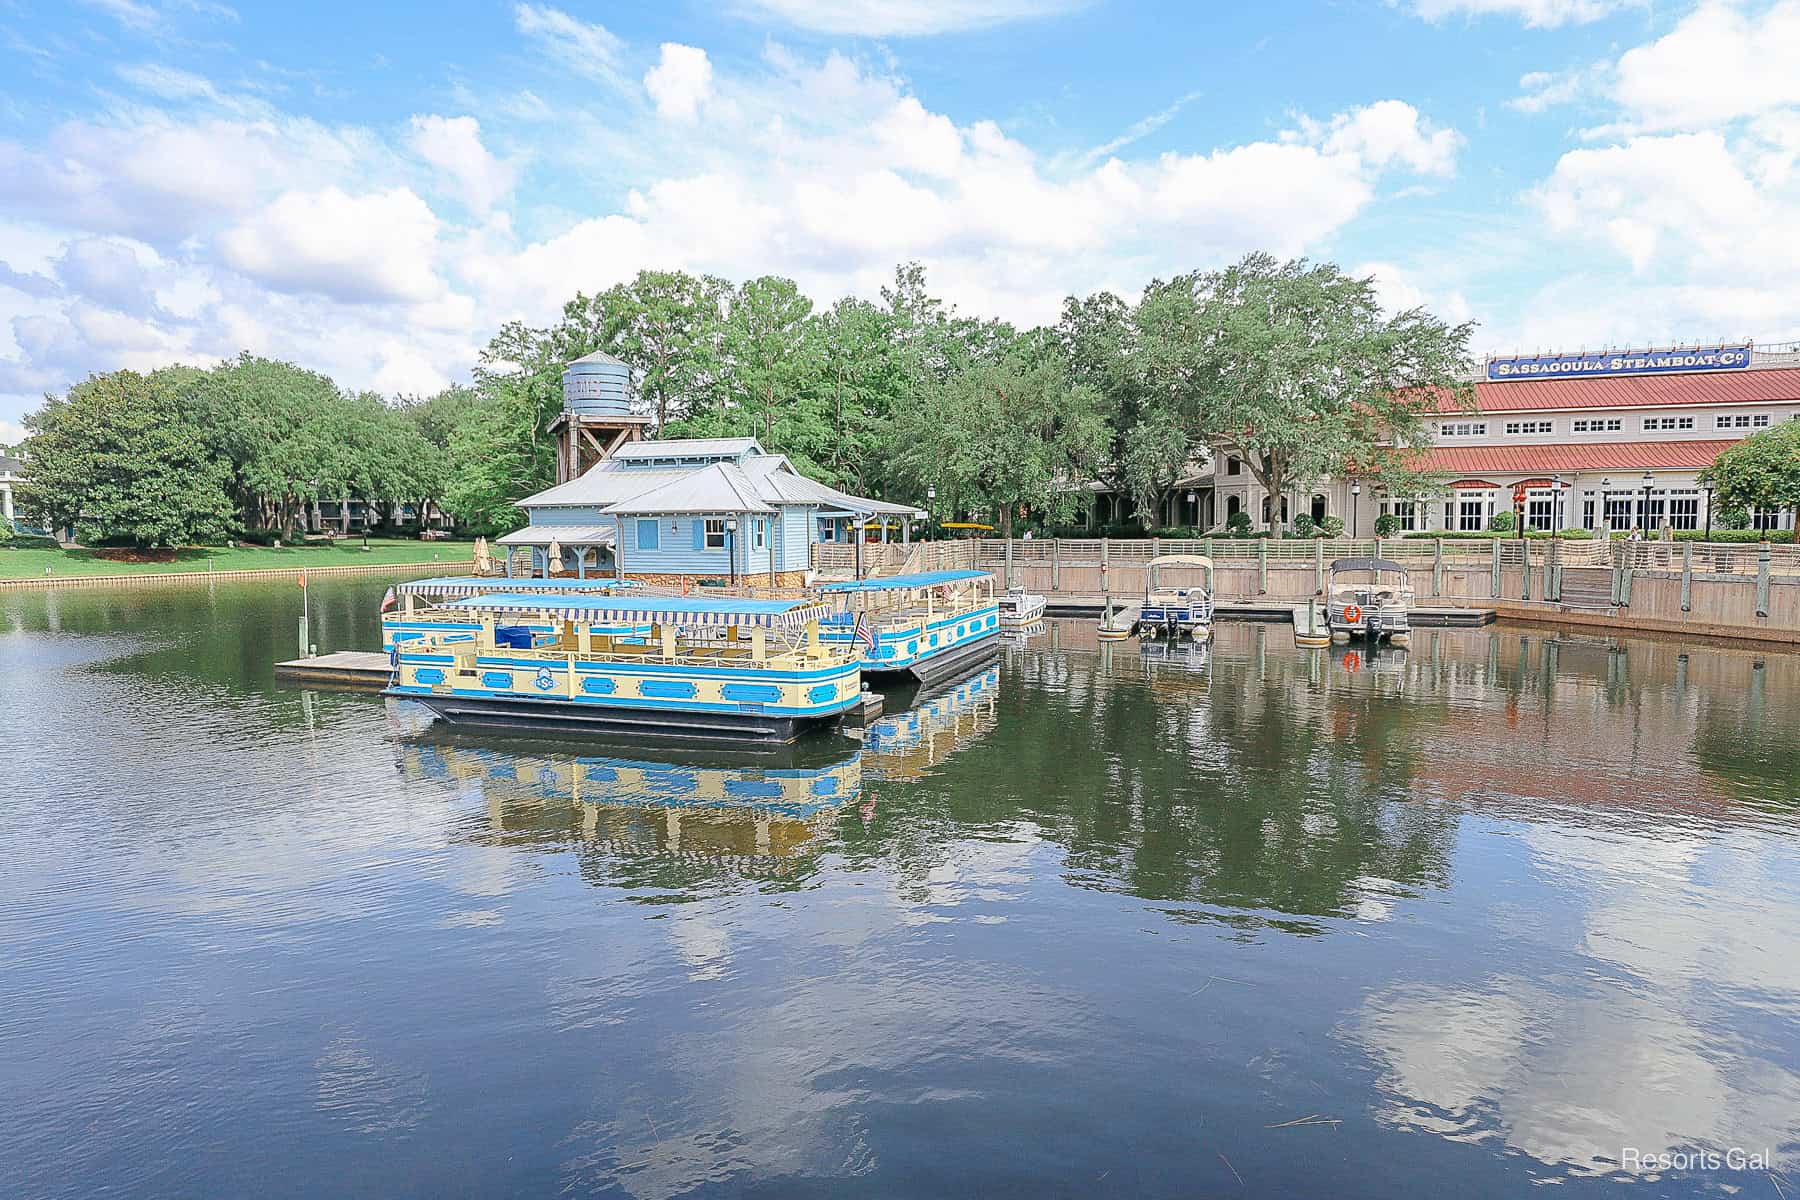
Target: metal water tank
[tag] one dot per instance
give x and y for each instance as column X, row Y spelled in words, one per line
column 597, row 385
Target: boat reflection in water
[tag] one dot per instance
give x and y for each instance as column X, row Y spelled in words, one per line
column 746, row 820
column 935, row 723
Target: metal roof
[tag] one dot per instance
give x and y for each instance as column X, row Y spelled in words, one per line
column 1774, row 385
column 689, row 448
column 662, row 610
column 888, row 583
column 716, row 488
column 568, row 535
column 599, row 356
column 1575, row 456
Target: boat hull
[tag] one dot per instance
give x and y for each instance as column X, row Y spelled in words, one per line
column 921, row 652
column 673, row 727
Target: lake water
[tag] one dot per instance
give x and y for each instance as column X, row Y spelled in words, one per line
column 1507, row 909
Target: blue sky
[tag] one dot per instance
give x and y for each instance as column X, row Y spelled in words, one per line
column 371, row 191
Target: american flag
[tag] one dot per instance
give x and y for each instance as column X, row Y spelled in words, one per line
column 388, row 601
column 864, row 633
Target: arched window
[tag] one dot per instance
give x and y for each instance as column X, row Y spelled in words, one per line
column 1233, row 505
column 1318, row 508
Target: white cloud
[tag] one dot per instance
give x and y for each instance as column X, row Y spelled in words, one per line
column 374, row 247
column 1536, row 14
column 1400, row 289
column 453, row 146
column 905, row 18
column 171, row 83
column 1719, row 64
column 111, row 271
column 680, row 82
column 1541, row 90
column 586, row 48
column 11, row 433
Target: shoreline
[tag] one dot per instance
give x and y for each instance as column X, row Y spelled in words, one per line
column 41, row 582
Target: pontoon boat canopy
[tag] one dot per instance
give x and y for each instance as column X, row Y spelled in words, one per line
column 889, row 583
column 1367, row 564
column 658, row 610
column 1182, row 560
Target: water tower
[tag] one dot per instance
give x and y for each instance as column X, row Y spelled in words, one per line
column 597, row 416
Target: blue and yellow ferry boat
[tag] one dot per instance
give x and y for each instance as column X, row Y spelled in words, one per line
column 928, row 625
column 725, row 669
column 404, row 622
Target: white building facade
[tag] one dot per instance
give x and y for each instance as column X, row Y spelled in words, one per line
column 1589, row 451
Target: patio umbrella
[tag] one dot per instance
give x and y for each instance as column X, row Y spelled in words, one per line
column 483, row 561
column 552, row 558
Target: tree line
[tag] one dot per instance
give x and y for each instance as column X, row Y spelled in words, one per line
column 1292, row 368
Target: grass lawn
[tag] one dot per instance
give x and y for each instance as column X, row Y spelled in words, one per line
column 348, row 552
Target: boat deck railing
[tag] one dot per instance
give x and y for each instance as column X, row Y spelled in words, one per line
column 737, row 655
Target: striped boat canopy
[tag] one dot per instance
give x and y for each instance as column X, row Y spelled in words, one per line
column 890, row 583
column 658, row 610
column 466, row 585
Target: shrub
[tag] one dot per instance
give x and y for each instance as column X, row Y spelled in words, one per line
column 1331, row 527
column 1501, row 522
column 1782, row 536
column 1239, row 524
column 1452, row 535
column 1387, row 525
column 1303, row 525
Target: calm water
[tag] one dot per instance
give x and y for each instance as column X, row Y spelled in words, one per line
column 1496, row 911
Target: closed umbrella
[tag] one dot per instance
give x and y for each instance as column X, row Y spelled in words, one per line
column 552, row 558
column 483, row 561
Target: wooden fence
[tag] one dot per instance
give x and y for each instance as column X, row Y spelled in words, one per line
column 160, row 577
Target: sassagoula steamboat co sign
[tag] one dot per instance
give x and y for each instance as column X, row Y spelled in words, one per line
column 1620, row 362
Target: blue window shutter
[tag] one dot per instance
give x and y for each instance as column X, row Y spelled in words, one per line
column 699, row 533
column 649, row 535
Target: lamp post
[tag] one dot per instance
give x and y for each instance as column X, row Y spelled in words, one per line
column 1355, row 505
column 1644, row 519
column 1194, row 503
column 1709, row 492
column 1556, row 502
column 731, row 547
column 1605, row 500
column 930, row 503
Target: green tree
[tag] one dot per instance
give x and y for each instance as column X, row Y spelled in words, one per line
column 118, row 460
column 667, row 325
column 1002, row 435
column 1762, row 471
column 1292, row 368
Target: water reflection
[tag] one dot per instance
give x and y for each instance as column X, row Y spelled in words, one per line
column 695, row 814
column 924, row 727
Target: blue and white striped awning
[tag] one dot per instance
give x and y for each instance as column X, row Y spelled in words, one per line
column 658, row 610
column 474, row 585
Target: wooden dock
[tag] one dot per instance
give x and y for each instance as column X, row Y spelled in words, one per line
column 1286, row 610
column 348, row 670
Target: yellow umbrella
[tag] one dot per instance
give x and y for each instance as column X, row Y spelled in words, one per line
column 552, row 558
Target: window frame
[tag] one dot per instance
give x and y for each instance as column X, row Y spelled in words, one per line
column 707, row 532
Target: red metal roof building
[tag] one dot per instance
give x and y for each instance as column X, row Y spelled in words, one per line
column 1590, row 449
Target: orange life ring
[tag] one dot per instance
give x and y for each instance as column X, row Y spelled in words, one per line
column 1352, row 662
column 1352, row 614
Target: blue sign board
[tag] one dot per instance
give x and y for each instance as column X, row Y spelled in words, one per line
column 1619, row 362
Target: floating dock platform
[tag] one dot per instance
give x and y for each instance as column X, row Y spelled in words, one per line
column 350, row 670
column 1285, row 611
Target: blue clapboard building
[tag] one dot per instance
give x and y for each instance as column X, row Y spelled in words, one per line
column 669, row 511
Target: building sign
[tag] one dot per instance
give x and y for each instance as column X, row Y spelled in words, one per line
column 1619, row 362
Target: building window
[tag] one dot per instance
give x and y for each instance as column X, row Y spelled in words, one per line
column 1233, row 466
column 1598, row 425
column 1471, row 515
column 1540, row 509
column 1684, row 510
column 1406, row 512
column 1619, row 511
column 1463, row 429
column 1587, row 512
column 1654, row 423
column 649, row 535
column 715, row 533
column 1765, row 518
column 1743, row 421
column 1519, row 427
column 762, row 533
